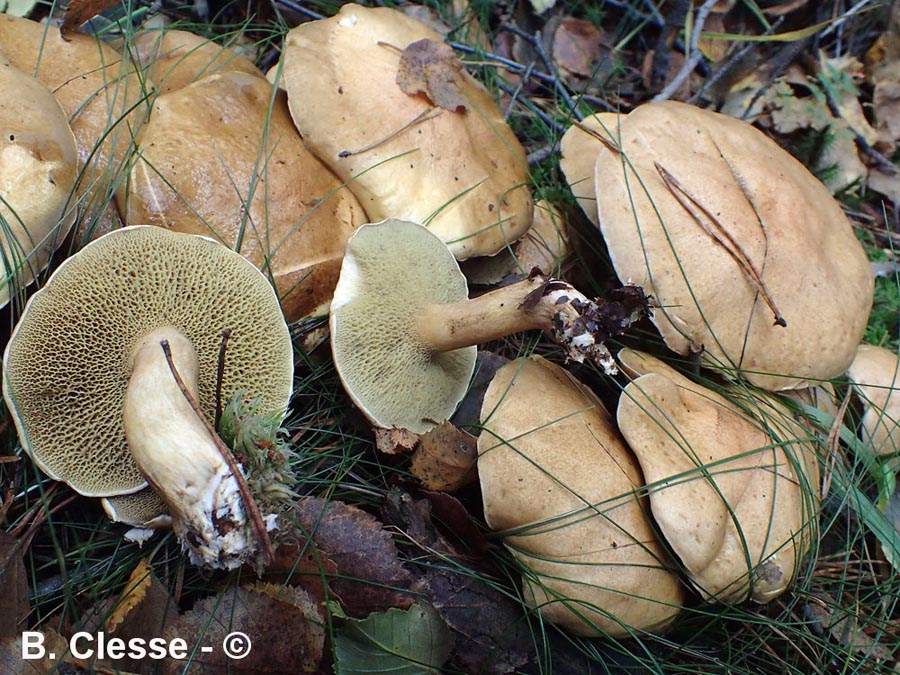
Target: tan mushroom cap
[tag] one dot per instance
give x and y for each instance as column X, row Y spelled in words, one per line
column 730, row 188
column 562, row 486
column 175, row 58
column 545, row 246
column 217, row 160
column 463, row 173
column 874, row 374
column 68, row 362
column 389, row 274
column 578, row 150
column 735, row 497
column 99, row 91
column 38, row 167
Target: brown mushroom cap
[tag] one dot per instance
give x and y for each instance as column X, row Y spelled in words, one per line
column 735, row 497
column 175, row 58
column 102, row 95
column 221, row 157
column 68, row 362
column 557, row 479
column 874, row 374
column 578, row 151
column 394, row 379
column 696, row 192
column 38, row 168
column 463, row 173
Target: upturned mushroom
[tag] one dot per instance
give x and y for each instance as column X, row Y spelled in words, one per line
column 38, row 168
column 382, row 100
column 103, row 97
column 748, row 255
column 95, row 398
column 220, row 157
column 403, row 331
column 564, row 490
column 735, row 495
column 875, row 374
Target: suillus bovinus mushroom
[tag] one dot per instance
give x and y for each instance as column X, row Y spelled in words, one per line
column 734, row 494
column 220, row 157
column 561, row 486
column 403, row 331
column 750, row 258
column 93, row 394
column 875, row 374
column 382, row 100
column 38, row 167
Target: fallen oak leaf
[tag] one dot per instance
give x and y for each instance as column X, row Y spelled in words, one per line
column 432, row 68
column 370, row 577
column 395, row 441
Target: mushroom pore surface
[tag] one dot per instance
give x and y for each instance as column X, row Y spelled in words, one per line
column 395, row 379
column 68, row 362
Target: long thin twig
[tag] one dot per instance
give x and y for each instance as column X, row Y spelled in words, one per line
column 256, row 521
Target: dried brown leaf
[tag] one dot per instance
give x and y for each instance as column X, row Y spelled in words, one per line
column 370, row 575
column 576, row 46
column 445, row 459
column 79, row 11
column 298, row 562
column 14, row 605
column 432, row 68
column 285, row 628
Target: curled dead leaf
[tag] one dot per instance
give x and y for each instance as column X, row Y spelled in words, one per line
column 445, row 459
column 432, row 68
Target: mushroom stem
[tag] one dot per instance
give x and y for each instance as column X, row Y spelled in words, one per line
column 580, row 325
column 175, row 451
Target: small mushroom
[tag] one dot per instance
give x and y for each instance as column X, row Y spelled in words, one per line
column 563, row 488
column 748, row 255
column 403, row 331
column 874, row 374
column 93, row 394
column 175, row 58
column 734, row 495
column 38, row 168
column 103, row 97
column 457, row 167
column 221, row 158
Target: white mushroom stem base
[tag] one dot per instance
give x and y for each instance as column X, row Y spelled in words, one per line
column 173, row 449
column 580, row 325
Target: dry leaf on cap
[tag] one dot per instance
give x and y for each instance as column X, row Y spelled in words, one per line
column 432, row 68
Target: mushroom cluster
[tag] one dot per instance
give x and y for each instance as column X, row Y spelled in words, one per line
column 733, row 491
